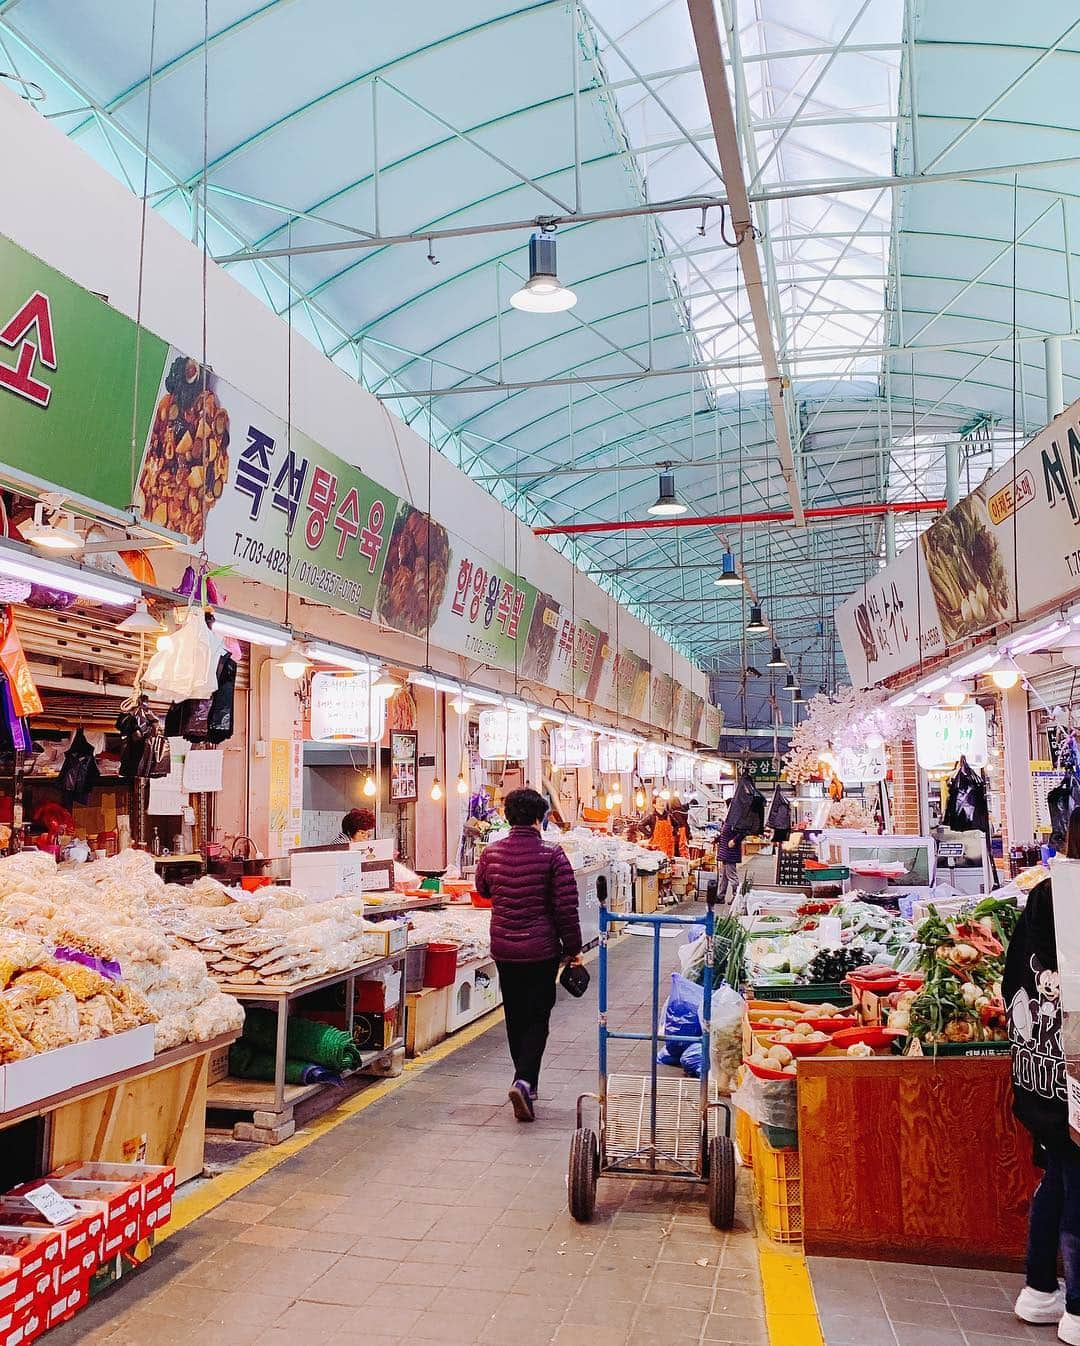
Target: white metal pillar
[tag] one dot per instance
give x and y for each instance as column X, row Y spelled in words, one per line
column 952, row 472
column 890, row 537
column 1016, row 742
column 1055, row 387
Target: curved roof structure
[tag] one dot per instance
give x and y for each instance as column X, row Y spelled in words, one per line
column 907, row 164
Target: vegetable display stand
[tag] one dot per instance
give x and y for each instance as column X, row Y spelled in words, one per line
column 778, row 1190
column 914, row 1159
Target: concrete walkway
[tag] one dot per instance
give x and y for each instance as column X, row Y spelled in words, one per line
column 433, row 1216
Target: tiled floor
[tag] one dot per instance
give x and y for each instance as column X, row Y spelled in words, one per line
column 894, row 1304
column 433, row 1217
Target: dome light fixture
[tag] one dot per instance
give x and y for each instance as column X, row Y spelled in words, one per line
column 757, row 624
column 776, row 659
column 543, row 292
column 790, row 685
column 294, row 663
column 797, row 698
column 954, row 696
column 536, row 722
column 385, row 685
column 729, row 577
column 1005, row 678
column 141, row 622
column 461, row 704
column 667, row 503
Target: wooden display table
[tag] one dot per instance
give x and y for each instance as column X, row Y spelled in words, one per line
column 272, row 1104
column 914, row 1159
column 155, row 1113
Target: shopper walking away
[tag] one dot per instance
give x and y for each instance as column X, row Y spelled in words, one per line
column 1031, row 992
column 534, row 928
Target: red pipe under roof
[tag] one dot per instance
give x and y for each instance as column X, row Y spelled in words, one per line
column 816, row 515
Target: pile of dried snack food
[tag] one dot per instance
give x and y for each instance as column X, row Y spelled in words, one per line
column 82, row 955
column 273, row 937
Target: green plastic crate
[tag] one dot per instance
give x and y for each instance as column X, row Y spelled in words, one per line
column 781, row 1137
column 816, row 993
column 932, row 1049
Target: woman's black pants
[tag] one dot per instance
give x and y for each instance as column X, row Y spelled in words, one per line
column 528, row 991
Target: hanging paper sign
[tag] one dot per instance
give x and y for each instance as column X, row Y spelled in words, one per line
column 345, row 710
column 652, row 762
column 504, row 735
column 202, row 771
column 615, row 755
column 943, row 736
column 682, row 770
column 570, row 748
column 710, row 773
column 861, row 764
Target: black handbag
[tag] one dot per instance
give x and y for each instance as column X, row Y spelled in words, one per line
column 575, row 979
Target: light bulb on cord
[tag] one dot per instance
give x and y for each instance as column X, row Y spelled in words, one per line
column 608, row 802
column 436, row 790
column 294, row 663
column 462, row 784
column 665, row 794
column 1005, row 678
column 639, row 798
column 370, row 787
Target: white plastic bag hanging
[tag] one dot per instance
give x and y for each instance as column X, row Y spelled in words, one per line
column 186, row 668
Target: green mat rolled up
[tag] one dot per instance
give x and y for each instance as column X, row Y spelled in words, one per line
column 247, row 1062
column 306, row 1041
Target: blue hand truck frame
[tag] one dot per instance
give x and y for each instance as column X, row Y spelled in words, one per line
column 667, row 1150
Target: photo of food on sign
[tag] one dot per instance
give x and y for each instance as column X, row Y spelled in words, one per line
column 186, row 460
column 966, row 569
column 414, row 574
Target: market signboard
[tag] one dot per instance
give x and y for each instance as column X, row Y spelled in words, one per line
column 67, row 368
column 345, row 710
column 220, row 469
column 504, row 735
column 1006, row 552
column 944, row 735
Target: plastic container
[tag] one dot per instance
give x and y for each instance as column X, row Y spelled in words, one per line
column 482, row 902
column 415, row 965
column 251, row 882
column 440, row 966
column 778, row 1190
column 781, row 1137
column 744, row 1137
column 816, row 993
column 873, row 1037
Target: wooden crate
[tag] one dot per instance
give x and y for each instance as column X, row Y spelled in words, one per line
column 646, row 893
column 425, row 1018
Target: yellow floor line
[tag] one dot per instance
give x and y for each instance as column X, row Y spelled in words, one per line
column 189, row 1207
column 790, row 1311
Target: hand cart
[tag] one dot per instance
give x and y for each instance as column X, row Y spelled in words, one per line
column 653, row 1126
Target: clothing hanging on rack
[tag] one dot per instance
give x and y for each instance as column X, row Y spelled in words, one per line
column 80, row 773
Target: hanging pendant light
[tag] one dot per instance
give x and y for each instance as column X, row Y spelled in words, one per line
column 462, row 784
column 461, row 704
column 667, row 502
column 536, row 723
column 729, row 577
column 370, row 789
column 385, row 685
column 776, row 659
column 757, row 624
column 1005, row 678
column 790, row 685
column 954, row 696
column 543, row 292
column 294, row 663
column 436, row 790
column 797, row 698
column 639, row 798
column 142, row 621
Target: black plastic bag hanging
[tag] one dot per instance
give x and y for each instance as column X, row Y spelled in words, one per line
column 966, row 806
column 779, row 816
column 746, row 812
column 144, row 753
column 1061, row 801
column 79, row 773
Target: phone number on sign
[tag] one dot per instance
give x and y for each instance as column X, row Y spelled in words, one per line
column 319, row 579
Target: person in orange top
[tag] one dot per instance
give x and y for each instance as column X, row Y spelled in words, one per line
column 657, row 827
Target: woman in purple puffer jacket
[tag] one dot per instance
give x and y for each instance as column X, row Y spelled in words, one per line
column 534, row 928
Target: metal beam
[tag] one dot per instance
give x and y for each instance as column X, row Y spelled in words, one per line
column 722, row 115
column 842, row 513
column 711, row 201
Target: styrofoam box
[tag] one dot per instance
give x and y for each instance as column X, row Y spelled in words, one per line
column 48, row 1073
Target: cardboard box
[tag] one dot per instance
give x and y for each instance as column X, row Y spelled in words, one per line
column 66, row 1305
column 37, row 1262
column 385, row 938
column 217, row 1068
column 48, row 1073
column 82, row 1237
column 374, row 1031
column 646, row 893
column 425, row 1018
column 123, row 1208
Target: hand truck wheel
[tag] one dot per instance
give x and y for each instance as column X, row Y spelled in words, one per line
column 583, row 1173
column 721, row 1182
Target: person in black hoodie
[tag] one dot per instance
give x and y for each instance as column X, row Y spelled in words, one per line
column 1030, row 987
